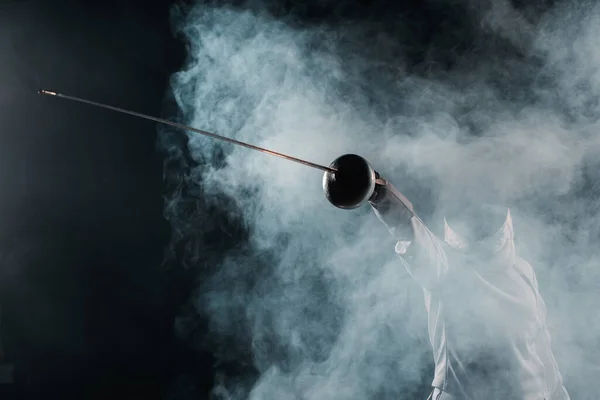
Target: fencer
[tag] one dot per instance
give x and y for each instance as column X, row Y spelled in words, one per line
column 486, row 317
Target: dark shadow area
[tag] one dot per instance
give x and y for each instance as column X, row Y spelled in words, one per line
column 88, row 309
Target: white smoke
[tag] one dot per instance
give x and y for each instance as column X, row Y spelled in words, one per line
column 316, row 293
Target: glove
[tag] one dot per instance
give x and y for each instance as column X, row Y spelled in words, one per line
column 393, row 209
column 379, row 188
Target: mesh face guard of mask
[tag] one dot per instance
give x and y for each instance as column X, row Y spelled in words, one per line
column 475, row 223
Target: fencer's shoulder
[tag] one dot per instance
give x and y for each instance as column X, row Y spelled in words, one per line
column 524, row 267
column 523, row 262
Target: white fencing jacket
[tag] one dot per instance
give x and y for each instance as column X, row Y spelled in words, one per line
column 486, row 317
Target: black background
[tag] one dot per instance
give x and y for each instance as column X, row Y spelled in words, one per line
column 87, row 310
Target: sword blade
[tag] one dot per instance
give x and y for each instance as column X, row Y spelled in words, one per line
column 191, row 129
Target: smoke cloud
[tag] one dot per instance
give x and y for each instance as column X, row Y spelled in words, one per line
column 502, row 104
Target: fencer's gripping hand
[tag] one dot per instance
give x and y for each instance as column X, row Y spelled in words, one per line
column 393, row 209
column 379, row 183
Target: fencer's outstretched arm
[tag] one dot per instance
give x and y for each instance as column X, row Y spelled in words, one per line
column 420, row 250
column 393, row 209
